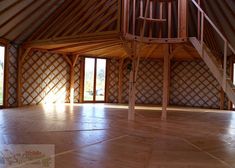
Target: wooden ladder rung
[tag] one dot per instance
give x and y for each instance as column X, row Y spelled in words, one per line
column 151, row 19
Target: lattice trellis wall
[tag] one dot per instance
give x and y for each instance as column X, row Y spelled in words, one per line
column 125, row 81
column 149, row 82
column 192, row 84
column 12, row 76
column 45, row 78
column 77, row 75
column 112, row 88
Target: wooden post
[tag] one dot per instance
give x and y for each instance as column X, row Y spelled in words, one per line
column 72, row 65
column 133, row 17
column 169, row 19
column 132, row 84
column 230, row 104
column 198, row 21
column 120, row 77
column 81, row 89
column 166, row 83
column 71, row 98
column 221, row 99
column 182, row 18
column 131, row 111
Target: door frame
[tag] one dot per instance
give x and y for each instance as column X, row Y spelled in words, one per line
column 4, row 43
column 94, row 87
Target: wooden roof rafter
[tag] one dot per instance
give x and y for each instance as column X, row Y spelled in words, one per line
column 19, row 18
column 84, row 15
column 50, row 20
column 17, row 13
column 10, row 6
column 58, row 22
column 36, row 20
column 83, row 18
column 25, row 19
column 90, row 37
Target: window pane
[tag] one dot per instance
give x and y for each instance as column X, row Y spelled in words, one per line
column 100, row 79
column 2, row 55
column 89, row 79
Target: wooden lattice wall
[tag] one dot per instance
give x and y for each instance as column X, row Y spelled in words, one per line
column 192, row 84
column 113, row 78
column 125, row 81
column 149, row 83
column 12, row 76
column 45, row 78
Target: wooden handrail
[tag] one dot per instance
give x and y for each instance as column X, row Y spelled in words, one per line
column 226, row 42
column 213, row 25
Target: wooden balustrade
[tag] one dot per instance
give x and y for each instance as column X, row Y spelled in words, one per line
column 158, row 17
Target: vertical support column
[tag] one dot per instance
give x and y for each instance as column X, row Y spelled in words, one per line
column 221, row 99
column 120, row 77
column 141, row 8
column 107, row 84
column 71, row 98
column 133, row 17
column 127, row 24
column 182, row 18
column 81, row 89
column 160, row 17
column 169, row 19
column 72, row 65
column 166, row 84
column 131, row 111
column 124, row 13
column 230, row 104
column 132, row 85
column 198, row 21
column 151, row 16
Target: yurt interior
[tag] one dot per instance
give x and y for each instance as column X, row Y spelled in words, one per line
column 117, row 83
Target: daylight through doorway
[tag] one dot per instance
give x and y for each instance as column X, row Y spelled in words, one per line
column 2, row 57
column 94, row 80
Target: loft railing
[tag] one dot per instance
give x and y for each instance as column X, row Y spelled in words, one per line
column 157, row 18
column 201, row 20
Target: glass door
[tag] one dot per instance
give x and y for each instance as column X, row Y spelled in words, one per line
column 2, row 58
column 94, row 80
